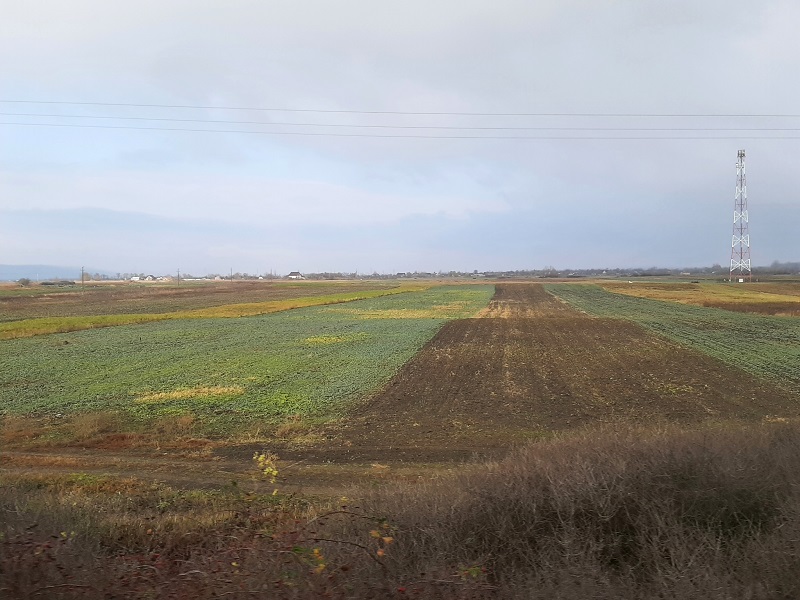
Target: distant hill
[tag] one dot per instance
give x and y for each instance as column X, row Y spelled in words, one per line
column 43, row 272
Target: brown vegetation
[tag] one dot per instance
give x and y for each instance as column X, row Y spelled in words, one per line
column 106, row 430
column 611, row 514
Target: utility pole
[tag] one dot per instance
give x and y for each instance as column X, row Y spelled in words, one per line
column 179, row 276
column 740, row 242
column 82, row 286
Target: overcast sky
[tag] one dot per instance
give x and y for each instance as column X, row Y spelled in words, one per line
column 157, row 200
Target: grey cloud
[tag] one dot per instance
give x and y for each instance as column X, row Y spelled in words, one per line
column 612, row 201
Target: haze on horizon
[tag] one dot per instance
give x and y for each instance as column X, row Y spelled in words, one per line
column 136, row 195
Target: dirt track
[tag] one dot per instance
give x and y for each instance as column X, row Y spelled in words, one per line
column 529, row 365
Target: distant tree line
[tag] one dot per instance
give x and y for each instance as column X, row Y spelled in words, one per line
column 779, row 268
column 776, row 268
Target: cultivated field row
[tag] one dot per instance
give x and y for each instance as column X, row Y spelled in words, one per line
column 782, row 299
column 766, row 346
column 132, row 298
column 63, row 324
column 235, row 373
column 533, row 365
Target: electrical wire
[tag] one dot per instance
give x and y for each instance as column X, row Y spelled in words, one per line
column 362, row 126
column 411, row 136
column 397, row 112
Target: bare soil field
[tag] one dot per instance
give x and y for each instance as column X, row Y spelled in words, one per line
column 533, row 365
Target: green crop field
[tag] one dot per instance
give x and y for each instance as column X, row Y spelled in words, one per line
column 310, row 361
column 764, row 345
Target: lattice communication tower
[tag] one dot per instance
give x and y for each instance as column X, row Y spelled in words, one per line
column 740, row 244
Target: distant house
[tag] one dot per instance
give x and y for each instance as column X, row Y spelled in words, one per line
column 295, row 275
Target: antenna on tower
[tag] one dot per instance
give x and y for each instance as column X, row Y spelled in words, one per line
column 740, row 244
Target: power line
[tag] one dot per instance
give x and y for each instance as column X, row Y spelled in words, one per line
column 412, row 136
column 398, row 112
column 362, row 126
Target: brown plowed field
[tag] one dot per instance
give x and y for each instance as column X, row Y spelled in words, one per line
column 531, row 364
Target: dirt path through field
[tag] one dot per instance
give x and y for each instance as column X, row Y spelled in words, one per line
column 220, row 469
column 528, row 365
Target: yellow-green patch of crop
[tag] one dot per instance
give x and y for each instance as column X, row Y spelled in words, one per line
column 324, row 340
column 205, row 391
column 455, row 308
column 228, row 374
column 47, row 325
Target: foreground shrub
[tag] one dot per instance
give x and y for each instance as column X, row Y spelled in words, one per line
column 606, row 514
column 640, row 509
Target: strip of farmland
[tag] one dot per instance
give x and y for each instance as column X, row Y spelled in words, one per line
column 532, row 364
column 49, row 325
column 230, row 373
column 116, row 298
column 765, row 346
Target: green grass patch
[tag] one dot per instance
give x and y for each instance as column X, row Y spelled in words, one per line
column 763, row 345
column 313, row 361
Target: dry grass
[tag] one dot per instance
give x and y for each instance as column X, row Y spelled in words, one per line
column 708, row 514
column 196, row 392
column 105, row 430
column 296, row 431
column 16, row 430
column 87, row 426
column 615, row 502
column 177, row 425
column 179, row 433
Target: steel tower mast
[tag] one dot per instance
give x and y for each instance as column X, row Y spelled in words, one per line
column 740, row 244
